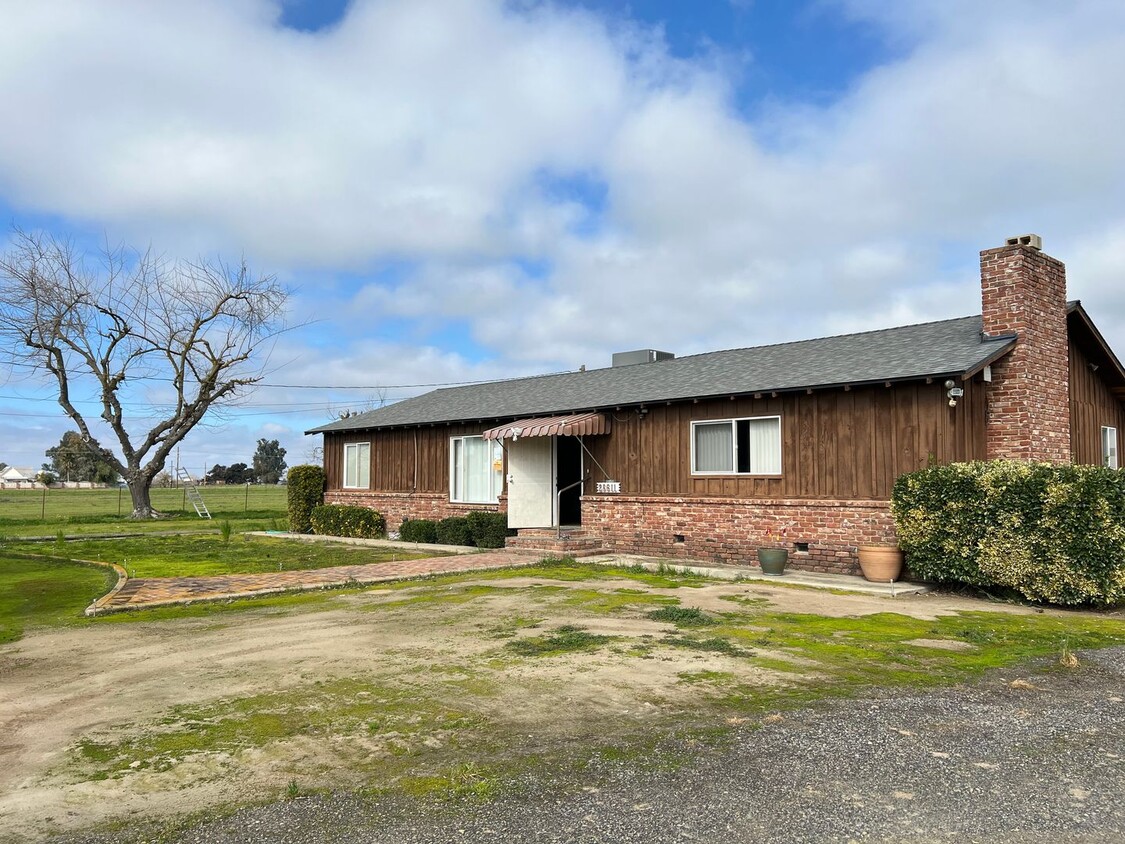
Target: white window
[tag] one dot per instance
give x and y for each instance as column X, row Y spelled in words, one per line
column 357, row 466
column 1109, row 447
column 476, row 470
column 736, row 446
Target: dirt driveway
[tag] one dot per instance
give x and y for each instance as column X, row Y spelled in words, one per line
column 402, row 687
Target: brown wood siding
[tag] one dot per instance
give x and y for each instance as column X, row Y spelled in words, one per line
column 835, row 443
column 1092, row 405
column 393, row 456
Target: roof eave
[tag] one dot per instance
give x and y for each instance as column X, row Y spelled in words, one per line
column 1074, row 308
column 964, row 375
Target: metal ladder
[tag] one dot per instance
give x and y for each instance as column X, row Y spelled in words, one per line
column 193, row 494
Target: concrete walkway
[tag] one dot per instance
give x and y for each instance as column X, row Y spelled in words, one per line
column 792, row 577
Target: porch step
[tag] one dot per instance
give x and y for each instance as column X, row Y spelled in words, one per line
column 573, row 543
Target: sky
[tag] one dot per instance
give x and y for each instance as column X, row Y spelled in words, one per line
column 462, row 190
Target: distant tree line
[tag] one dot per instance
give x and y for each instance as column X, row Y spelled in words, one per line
column 78, row 459
column 268, row 465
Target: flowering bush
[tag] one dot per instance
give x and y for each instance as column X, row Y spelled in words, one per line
column 1052, row 533
column 354, row 522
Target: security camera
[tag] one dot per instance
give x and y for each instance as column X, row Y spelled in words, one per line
column 950, row 384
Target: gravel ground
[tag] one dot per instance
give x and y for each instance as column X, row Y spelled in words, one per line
column 1030, row 755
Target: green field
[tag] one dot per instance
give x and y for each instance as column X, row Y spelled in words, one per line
column 37, row 512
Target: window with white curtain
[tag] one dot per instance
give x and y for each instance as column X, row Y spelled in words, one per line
column 357, row 466
column 1109, row 447
column 476, row 470
column 736, row 446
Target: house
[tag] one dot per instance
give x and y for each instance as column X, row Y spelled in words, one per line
column 18, row 478
column 707, row 456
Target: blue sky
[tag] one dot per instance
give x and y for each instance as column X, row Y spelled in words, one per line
column 459, row 190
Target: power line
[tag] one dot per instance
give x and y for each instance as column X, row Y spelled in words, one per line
column 338, row 386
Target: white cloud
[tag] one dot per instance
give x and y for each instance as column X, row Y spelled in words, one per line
column 421, row 133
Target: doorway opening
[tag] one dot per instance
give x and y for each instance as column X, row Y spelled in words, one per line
column 568, row 470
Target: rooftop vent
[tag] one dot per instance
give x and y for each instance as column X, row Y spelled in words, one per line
column 1032, row 240
column 640, row 356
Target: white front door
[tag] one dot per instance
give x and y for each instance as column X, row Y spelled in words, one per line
column 531, row 482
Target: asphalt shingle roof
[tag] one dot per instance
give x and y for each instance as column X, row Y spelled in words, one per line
column 948, row 347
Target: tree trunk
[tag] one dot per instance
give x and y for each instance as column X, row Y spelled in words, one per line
column 139, row 489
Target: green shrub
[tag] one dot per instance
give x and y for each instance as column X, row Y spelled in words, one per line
column 488, row 530
column 454, row 531
column 418, row 530
column 1052, row 533
column 305, row 491
column 344, row 520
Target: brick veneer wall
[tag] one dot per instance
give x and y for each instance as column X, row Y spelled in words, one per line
column 1023, row 292
column 730, row 530
column 396, row 506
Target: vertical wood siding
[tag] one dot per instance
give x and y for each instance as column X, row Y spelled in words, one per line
column 393, row 456
column 1092, row 405
column 835, row 444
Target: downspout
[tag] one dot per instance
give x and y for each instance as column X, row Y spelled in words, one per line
column 414, row 489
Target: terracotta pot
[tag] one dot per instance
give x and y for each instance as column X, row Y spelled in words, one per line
column 880, row 563
column 773, row 560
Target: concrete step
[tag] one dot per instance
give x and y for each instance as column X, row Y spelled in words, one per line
column 568, row 546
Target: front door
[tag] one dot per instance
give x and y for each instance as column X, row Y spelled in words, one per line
column 531, row 482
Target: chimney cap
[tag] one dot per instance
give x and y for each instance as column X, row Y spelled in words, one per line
column 1032, row 241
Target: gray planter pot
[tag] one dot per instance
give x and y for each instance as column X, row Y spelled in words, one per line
column 773, row 560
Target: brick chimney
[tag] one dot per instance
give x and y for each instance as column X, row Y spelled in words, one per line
column 1023, row 292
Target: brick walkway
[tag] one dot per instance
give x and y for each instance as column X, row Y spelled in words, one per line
column 160, row 591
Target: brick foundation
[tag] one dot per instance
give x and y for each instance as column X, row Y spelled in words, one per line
column 396, row 506
column 730, row 530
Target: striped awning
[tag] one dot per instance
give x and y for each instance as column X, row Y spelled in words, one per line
column 575, row 425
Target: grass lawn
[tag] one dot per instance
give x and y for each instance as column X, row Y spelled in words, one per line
column 176, row 556
column 35, row 512
column 44, row 593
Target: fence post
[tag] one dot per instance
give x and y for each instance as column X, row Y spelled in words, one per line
column 246, row 508
column 43, row 509
column 119, row 502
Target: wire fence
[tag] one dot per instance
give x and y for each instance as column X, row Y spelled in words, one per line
column 47, row 504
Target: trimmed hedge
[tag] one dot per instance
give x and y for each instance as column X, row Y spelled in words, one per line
column 344, row 520
column 1052, row 533
column 488, row 530
column 418, row 530
column 305, row 490
column 454, row 531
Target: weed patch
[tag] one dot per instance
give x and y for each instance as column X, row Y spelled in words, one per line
column 566, row 639
column 683, row 616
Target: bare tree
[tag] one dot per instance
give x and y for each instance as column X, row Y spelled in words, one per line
column 155, row 344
